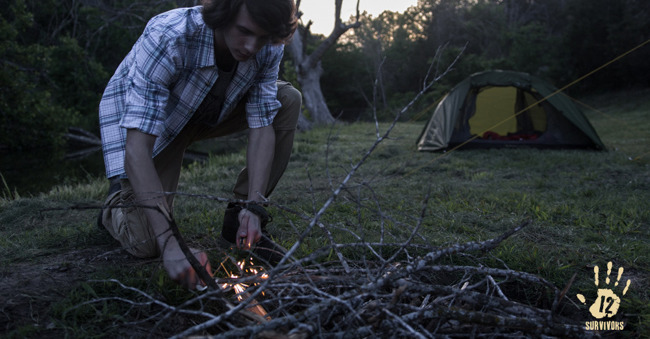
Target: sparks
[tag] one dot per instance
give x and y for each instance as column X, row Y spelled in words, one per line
column 240, row 288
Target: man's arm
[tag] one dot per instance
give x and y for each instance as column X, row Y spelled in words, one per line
column 145, row 181
column 148, row 189
column 259, row 157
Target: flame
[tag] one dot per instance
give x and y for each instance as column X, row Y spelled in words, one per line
column 240, row 288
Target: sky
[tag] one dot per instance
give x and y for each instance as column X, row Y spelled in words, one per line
column 321, row 12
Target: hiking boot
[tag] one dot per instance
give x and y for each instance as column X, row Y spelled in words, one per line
column 265, row 249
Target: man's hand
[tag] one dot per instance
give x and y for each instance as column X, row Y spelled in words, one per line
column 179, row 269
column 250, row 230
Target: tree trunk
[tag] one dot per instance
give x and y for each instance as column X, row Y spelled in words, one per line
column 309, row 80
column 309, row 69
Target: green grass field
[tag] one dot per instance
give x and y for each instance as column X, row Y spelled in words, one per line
column 586, row 208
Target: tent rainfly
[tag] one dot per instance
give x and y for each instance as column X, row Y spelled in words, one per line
column 507, row 109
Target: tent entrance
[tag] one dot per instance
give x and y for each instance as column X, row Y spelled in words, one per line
column 505, row 113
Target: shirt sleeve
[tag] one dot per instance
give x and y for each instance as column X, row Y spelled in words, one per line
column 262, row 104
column 150, row 76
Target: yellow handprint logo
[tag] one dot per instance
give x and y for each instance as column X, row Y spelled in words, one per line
column 607, row 302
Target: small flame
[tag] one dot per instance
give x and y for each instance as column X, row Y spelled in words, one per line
column 240, row 288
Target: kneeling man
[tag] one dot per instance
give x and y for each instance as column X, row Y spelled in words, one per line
column 198, row 73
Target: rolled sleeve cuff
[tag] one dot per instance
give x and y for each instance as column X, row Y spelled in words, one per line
column 261, row 115
column 144, row 126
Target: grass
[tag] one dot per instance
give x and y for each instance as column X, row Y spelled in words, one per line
column 586, row 208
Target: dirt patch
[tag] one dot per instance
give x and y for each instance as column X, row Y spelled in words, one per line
column 28, row 290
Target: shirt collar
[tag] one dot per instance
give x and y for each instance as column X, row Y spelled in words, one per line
column 205, row 55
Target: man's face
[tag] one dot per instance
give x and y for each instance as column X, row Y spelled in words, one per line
column 244, row 37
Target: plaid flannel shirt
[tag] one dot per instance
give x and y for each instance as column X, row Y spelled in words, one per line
column 163, row 79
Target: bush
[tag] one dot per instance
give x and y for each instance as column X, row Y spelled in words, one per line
column 29, row 117
column 44, row 87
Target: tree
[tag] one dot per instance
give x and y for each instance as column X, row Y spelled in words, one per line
column 598, row 31
column 348, row 79
column 56, row 58
column 30, row 115
column 309, row 67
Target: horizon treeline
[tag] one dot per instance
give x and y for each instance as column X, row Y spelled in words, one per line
column 57, row 56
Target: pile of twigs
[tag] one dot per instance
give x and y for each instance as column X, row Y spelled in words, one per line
column 414, row 297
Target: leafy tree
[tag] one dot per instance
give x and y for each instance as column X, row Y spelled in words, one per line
column 57, row 57
column 598, row 31
column 534, row 50
column 559, row 40
column 29, row 115
column 395, row 56
column 347, row 81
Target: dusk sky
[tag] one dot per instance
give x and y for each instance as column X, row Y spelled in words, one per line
column 321, row 12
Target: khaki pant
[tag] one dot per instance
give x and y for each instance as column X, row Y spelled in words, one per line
column 129, row 225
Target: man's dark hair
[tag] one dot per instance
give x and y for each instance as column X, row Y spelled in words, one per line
column 278, row 17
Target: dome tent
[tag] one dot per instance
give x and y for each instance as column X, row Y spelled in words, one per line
column 507, row 109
